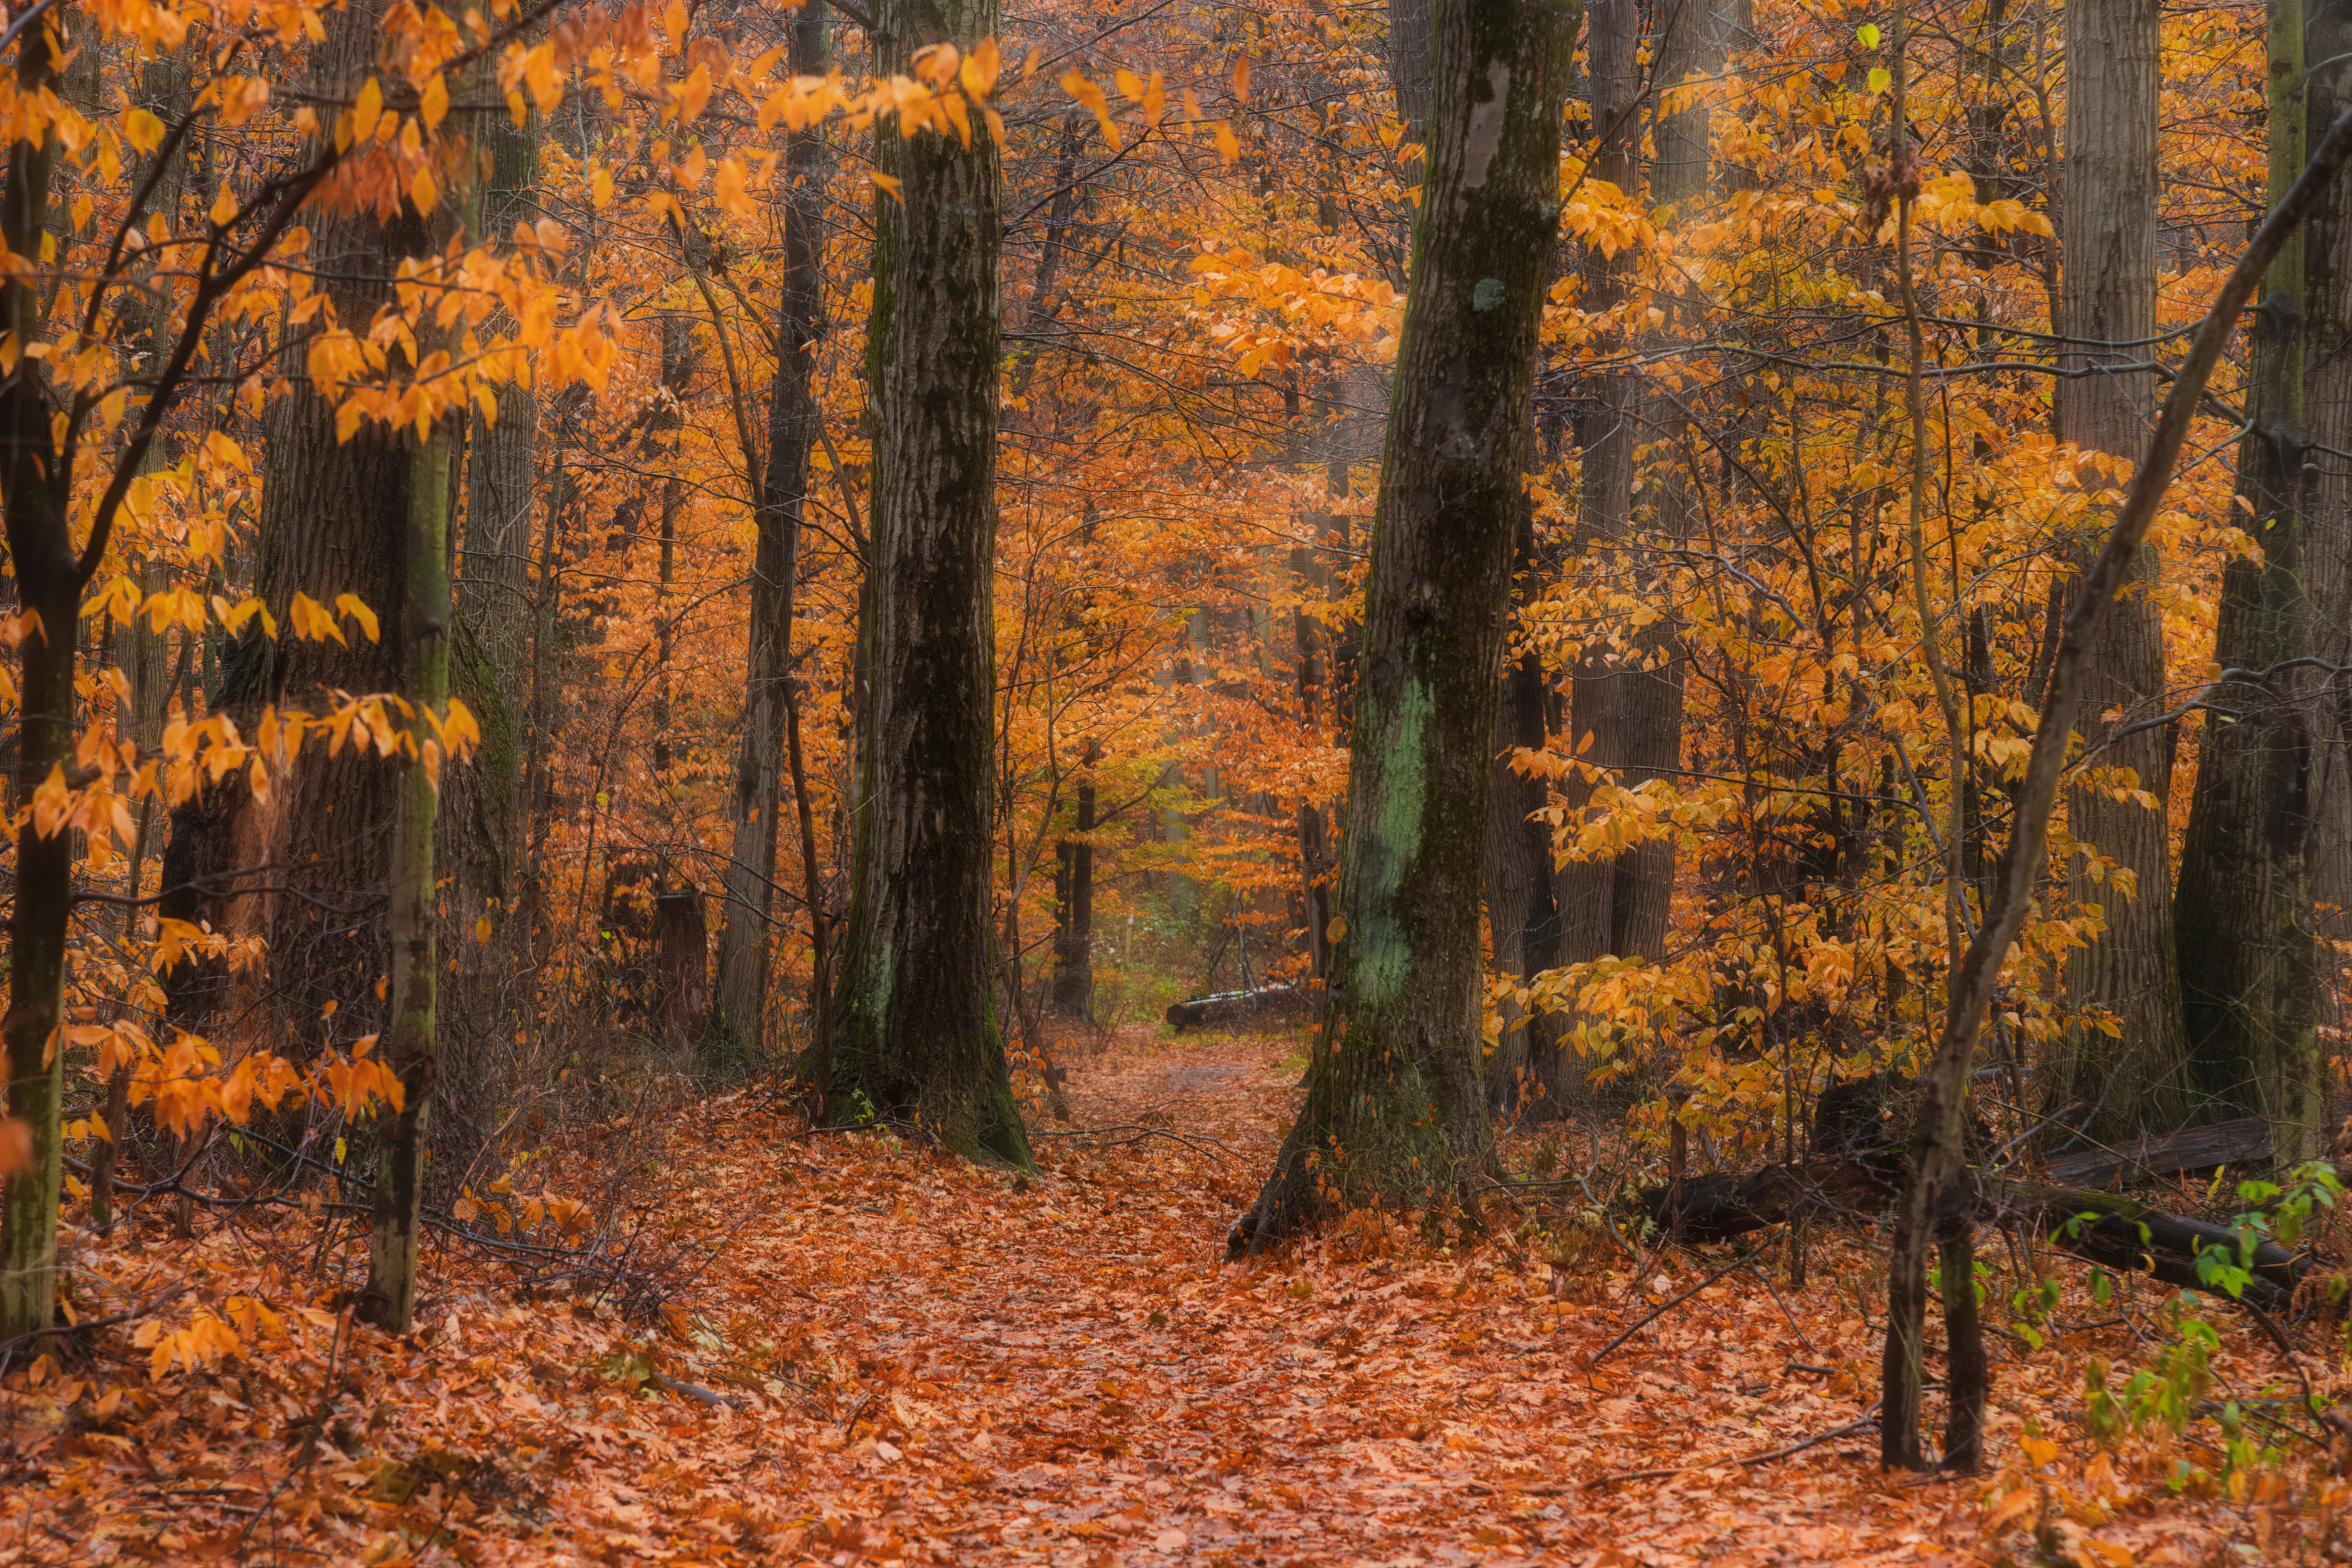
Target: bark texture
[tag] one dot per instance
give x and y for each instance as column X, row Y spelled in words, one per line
column 2108, row 311
column 915, row 1031
column 2246, row 922
column 1396, row 1108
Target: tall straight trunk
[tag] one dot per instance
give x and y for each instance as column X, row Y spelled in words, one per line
column 1396, row 1107
column 486, row 990
column 1524, row 1077
column 2108, row 311
column 165, row 89
column 48, row 584
column 2327, row 409
column 1073, row 994
column 2246, row 926
column 915, row 1024
column 744, row 947
column 389, row 1299
column 1616, row 905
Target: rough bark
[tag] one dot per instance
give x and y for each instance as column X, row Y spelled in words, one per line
column 2245, row 922
column 48, row 584
column 2106, row 308
column 915, row 1030
column 1396, row 1108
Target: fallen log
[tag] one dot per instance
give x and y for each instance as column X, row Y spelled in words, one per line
column 2112, row 1229
column 1237, row 1006
column 2244, row 1142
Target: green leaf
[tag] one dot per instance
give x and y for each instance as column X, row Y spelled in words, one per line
column 1880, row 78
column 1867, row 35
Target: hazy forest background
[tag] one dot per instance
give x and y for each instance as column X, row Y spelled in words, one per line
column 1393, row 782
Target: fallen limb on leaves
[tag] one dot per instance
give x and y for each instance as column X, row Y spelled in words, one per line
column 2107, row 1229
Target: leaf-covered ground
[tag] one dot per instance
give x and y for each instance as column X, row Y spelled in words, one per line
column 926, row 1361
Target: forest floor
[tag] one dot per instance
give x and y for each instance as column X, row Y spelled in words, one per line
column 929, row 1362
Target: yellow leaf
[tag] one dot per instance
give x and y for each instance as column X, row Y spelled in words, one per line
column 1076, row 85
column 482, row 928
column 1337, row 929
column 1241, row 80
column 224, row 205
column 980, row 69
column 423, row 192
column 350, row 605
column 434, row 106
column 367, row 112
column 693, row 93
column 1229, row 146
column 15, row 1145
column 143, row 131
column 886, row 184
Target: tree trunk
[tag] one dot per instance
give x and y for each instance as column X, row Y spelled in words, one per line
column 1937, row 1159
column 2107, row 296
column 389, row 1299
column 1526, row 1076
column 2245, row 922
column 1396, row 1106
column 48, row 584
column 744, row 950
column 682, row 973
column 1632, row 715
column 1073, row 994
column 914, row 1020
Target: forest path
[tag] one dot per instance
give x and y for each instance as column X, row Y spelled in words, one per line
column 924, row 1361
column 1065, row 1374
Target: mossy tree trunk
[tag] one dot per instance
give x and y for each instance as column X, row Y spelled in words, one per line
column 1396, row 1108
column 915, row 1030
column 2246, row 929
column 2107, row 306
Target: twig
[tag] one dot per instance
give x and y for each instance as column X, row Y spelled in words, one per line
column 132, row 1316
column 1653, row 1316
column 1868, row 1417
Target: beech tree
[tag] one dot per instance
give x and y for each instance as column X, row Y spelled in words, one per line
column 1396, row 1107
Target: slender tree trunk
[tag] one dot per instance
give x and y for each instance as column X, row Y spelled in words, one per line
column 48, row 584
column 1396, row 1107
column 2107, row 310
column 914, row 1016
column 1525, row 1076
column 743, row 946
column 2245, row 919
column 1602, row 904
column 389, row 1299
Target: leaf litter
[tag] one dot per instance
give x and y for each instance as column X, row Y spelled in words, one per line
column 873, row 1353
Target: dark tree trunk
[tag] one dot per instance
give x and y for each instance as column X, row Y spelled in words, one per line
column 2245, row 920
column 915, row 1029
column 1526, row 1076
column 1396, row 1108
column 682, row 973
column 1073, row 994
column 744, row 949
column 2107, row 296
column 48, row 584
